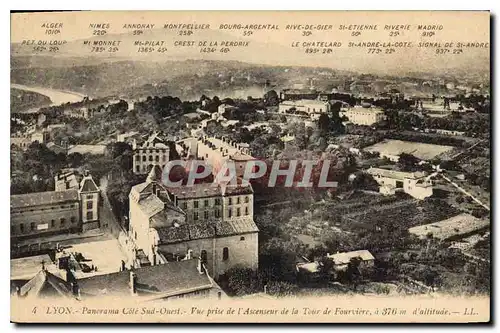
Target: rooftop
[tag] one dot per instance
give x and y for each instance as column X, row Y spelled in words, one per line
column 345, row 257
column 42, row 198
column 393, row 174
column 200, row 230
column 169, row 279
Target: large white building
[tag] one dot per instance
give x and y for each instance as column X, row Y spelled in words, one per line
column 363, row 116
column 211, row 222
column 311, row 107
column 152, row 151
column 416, row 184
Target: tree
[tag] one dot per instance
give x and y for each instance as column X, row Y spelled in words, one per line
column 324, row 123
column 271, row 98
column 407, row 162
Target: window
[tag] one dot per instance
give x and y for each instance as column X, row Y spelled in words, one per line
column 73, row 219
column 144, row 158
column 90, row 197
column 225, row 253
column 246, row 210
column 135, row 234
column 238, row 211
column 196, row 204
column 217, row 201
column 52, row 223
column 217, row 213
column 137, row 158
column 184, row 205
column 238, row 200
column 32, row 226
column 229, row 212
column 157, row 158
column 230, row 201
column 195, row 216
column 206, row 203
column 151, row 158
column 21, row 227
column 205, row 215
column 138, row 168
column 63, row 221
column 164, row 157
column 90, row 204
column 242, row 238
column 204, row 256
column 90, row 215
column 247, row 199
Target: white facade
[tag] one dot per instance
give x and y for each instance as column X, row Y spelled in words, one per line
column 416, row 184
column 310, row 106
column 151, row 152
column 178, row 221
column 363, row 116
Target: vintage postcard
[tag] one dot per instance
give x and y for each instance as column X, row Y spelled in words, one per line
column 250, row 166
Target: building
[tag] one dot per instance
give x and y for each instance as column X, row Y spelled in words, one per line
column 456, row 227
column 312, row 108
column 223, row 108
column 217, row 151
column 297, row 94
column 152, row 151
column 363, row 115
column 214, row 224
column 87, row 149
column 55, row 212
column 40, row 136
column 66, row 180
column 342, row 260
column 174, row 280
column 21, row 142
column 416, row 184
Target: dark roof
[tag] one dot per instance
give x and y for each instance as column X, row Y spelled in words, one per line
column 201, row 230
column 196, row 191
column 88, row 185
column 42, row 198
column 46, row 284
column 203, row 190
column 169, row 279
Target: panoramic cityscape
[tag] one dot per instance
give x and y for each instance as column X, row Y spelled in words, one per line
column 92, row 215
column 149, row 166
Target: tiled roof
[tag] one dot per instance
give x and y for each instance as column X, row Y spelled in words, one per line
column 42, row 280
column 42, row 198
column 88, row 185
column 196, row 191
column 170, row 279
column 151, row 205
column 236, row 227
column 201, row 230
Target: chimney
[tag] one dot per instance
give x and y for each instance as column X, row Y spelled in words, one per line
column 200, row 267
column 75, row 289
column 133, row 283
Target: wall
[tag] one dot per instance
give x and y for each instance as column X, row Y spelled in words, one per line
column 241, row 252
column 49, row 215
column 90, row 222
column 143, row 157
